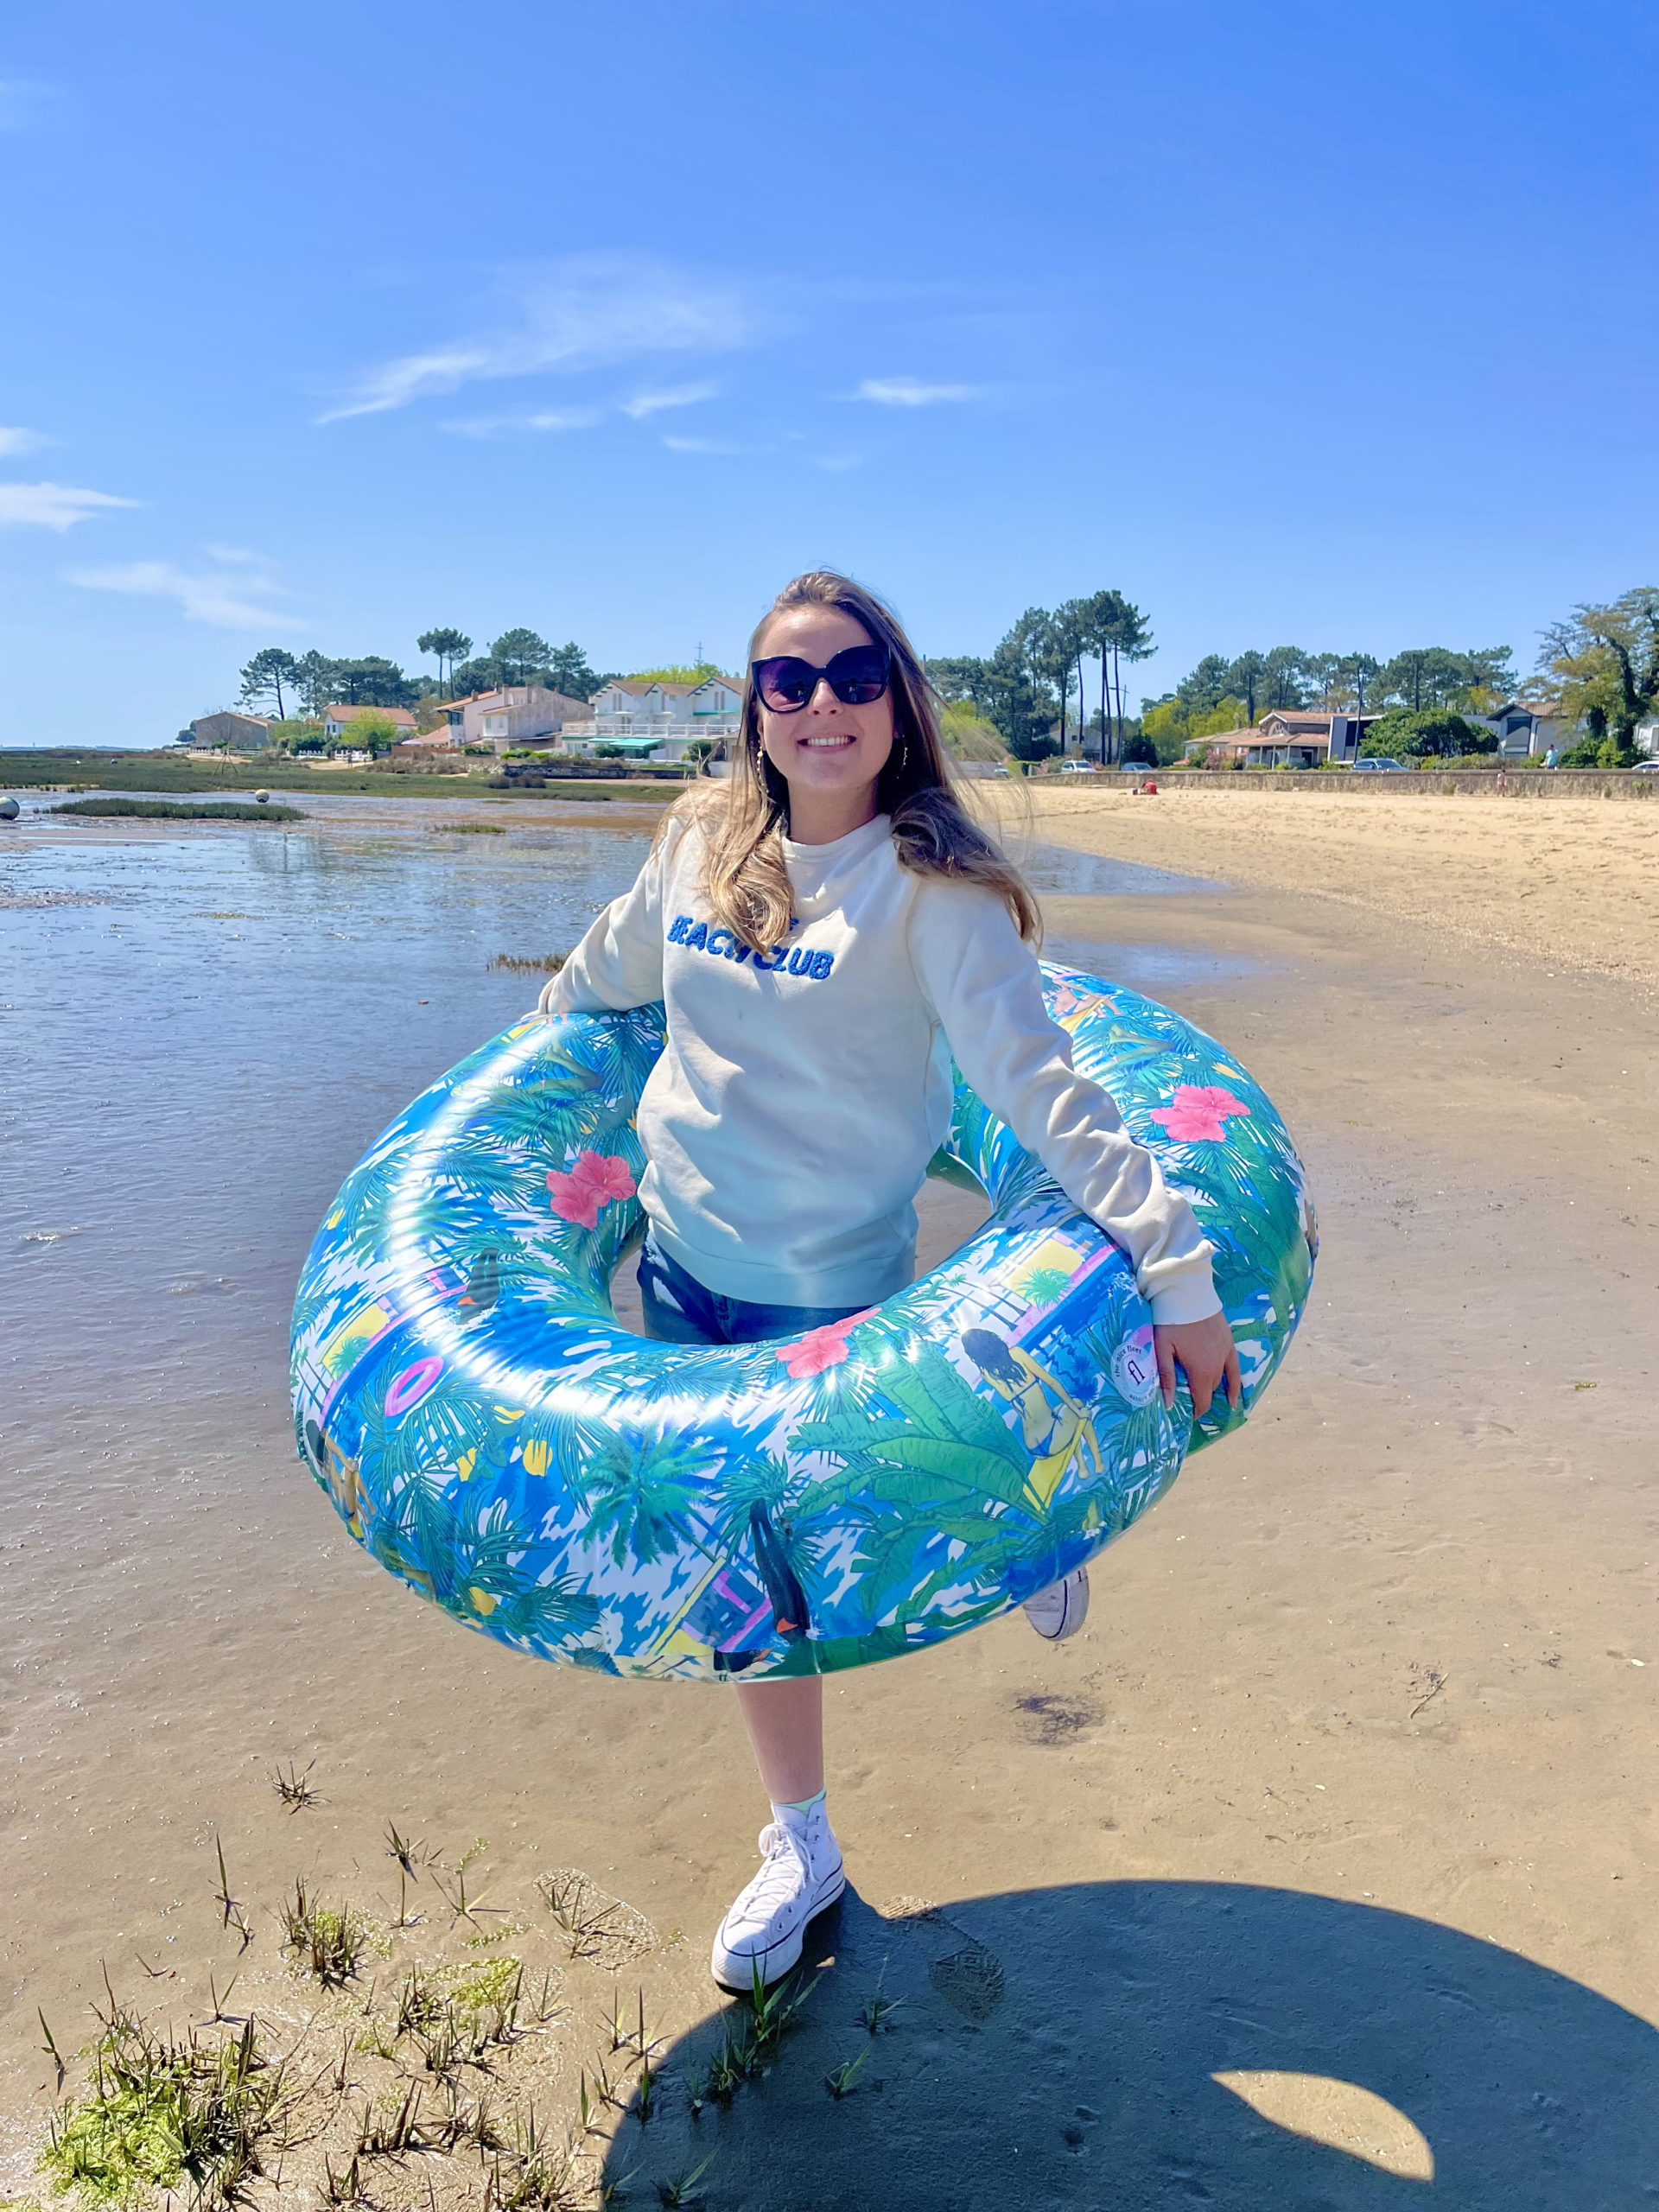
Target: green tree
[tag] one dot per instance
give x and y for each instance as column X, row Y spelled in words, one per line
column 1206, row 686
column 1356, row 671
column 1116, row 631
column 676, row 673
column 1056, row 649
column 315, row 682
column 1246, row 679
column 521, row 655
column 1020, row 703
column 1284, row 680
column 1606, row 659
column 447, row 647
column 1434, row 676
column 373, row 681
column 373, row 732
column 961, row 678
column 567, row 671
column 265, row 675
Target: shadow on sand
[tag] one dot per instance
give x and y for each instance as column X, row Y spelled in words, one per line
column 1059, row 2048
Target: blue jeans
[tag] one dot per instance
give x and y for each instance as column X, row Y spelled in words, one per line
column 678, row 1310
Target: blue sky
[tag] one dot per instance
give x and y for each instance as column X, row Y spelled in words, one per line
column 326, row 324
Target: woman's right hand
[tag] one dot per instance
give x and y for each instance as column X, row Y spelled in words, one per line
column 1206, row 1350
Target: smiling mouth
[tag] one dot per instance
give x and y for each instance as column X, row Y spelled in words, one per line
column 833, row 743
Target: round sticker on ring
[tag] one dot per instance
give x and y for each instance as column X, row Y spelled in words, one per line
column 1135, row 1368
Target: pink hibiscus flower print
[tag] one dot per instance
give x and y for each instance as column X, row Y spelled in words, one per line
column 593, row 1179
column 819, row 1348
column 1198, row 1110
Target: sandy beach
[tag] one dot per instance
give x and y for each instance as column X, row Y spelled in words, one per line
column 1322, row 1866
column 1573, row 882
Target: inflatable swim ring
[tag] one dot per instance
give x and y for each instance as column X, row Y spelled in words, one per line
column 489, row 1431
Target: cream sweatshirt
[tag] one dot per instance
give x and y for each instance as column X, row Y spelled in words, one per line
column 788, row 1124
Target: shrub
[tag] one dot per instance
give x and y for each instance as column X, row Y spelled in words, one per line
column 1435, row 733
column 1593, row 752
column 154, row 810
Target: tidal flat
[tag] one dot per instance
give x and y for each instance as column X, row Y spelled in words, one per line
column 1321, row 1865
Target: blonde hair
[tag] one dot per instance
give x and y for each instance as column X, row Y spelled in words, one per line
column 743, row 818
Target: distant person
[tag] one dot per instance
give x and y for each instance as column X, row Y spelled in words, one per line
column 1552, row 759
column 827, row 927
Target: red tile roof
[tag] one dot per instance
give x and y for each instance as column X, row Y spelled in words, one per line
column 401, row 715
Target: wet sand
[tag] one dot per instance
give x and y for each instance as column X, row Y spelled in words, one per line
column 1345, row 1790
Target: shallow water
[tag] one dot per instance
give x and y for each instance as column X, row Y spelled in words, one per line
column 1058, row 871
column 203, row 1027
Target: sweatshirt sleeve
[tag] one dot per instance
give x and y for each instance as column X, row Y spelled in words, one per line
column 984, row 985
column 620, row 961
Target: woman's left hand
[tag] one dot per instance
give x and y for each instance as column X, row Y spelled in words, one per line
column 1206, row 1350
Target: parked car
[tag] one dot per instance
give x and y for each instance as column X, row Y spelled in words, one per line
column 1383, row 767
column 1080, row 768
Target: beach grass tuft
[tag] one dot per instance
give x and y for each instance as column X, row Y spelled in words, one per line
column 468, row 829
column 680, row 2191
column 842, row 2080
column 876, row 2009
column 544, row 2177
column 294, row 1788
column 569, row 1898
column 161, row 810
column 329, row 1945
column 160, row 2113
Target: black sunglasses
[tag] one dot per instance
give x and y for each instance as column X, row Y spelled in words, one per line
column 856, row 676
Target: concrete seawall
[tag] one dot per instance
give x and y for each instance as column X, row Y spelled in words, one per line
column 1477, row 783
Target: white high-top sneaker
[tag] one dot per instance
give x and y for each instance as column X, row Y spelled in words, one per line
column 1061, row 1610
column 800, row 1876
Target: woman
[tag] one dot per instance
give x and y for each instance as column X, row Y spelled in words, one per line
column 827, row 928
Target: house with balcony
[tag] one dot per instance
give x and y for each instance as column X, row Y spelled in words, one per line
column 633, row 710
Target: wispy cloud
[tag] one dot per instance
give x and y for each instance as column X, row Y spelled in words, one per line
column 53, row 506
column 243, row 599
column 561, row 318
column 907, row 391
column 20, row 441
column 709, row 445
column 679, row 395
column 501, row 426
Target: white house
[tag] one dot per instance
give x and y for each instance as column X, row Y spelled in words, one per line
column 1523, row 731
column 517, row 714
column 337, row 721
column 673, row 714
